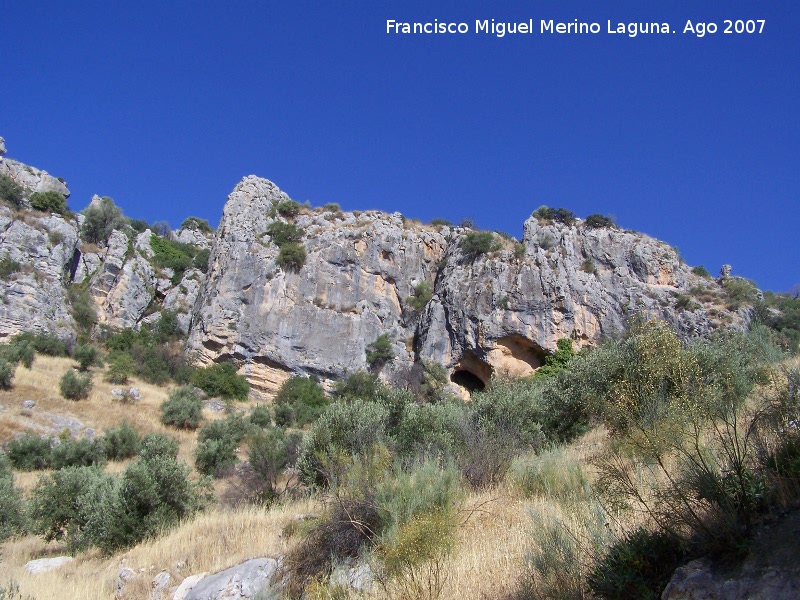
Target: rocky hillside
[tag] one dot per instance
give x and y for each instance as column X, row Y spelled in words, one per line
column 477, row 311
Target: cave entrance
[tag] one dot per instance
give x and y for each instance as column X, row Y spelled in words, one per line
column 467, row 380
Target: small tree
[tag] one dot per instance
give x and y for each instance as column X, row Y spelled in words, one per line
column 7, row 370
column 423, row 292
column 49, row 201
column 86, row 355
column 10, row 191
column 291, row 257
column 75, row 386
column 304, row 396
column 221, row 380
column 197, row 224
column 101, row 219
column 183, row 409
column 289, row 208
column 380, row 351
column 476, row 243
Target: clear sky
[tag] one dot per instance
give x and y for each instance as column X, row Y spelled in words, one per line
column 165, row 106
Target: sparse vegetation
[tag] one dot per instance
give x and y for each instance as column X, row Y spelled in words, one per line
column 701, row 271
column 10, row 191
column 8, row 267
column 75, row 386
column 380, row 351
column 50, row 201
column 284, row 233
column 197, row 224
column 173, row 255
column 289, row 208
column 100, row 220
column 598, row 221
column 183, row 409
column 557, row 215
column 299, row 401
column 221, row 380
column 291, row 257
column 477, row 243
column 422, row 294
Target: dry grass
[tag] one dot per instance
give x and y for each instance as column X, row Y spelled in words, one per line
column 211, row 542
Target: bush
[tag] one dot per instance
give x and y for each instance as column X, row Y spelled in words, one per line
column 173, row 255
column 158, row 444
column 638, row 566
column 87, row 356
column 559, row 215
column 100, row 220
column 214, row 457
column 739, row 291
column 78, row 453
column 221, row 380
column 8, row 267
column 359, row 385
column 268, row 455
column 12, row 506
column 598, row 221
column 120, row 367
column 477, row 243
column 200, row 261
column 121, row 442
column 701, row 271
column 553, row 363
column 331, row 207
column 49, row 201
column 260, row 416
column 418, row 300
column 379, row 352
column 44, row 343
column 10, row 191
column 284, row 233
column 83, row 310
column 305, row 397
column 7, row 371
column 441, row 223
column 18, row 351
column 29, row 452
column 289, row 208
column 182, row 409
column 291, row 257
column 197, row 224
column 75, row 386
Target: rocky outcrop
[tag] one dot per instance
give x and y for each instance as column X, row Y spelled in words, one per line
column 499, row 313
column 241, row 582
column 30, row 178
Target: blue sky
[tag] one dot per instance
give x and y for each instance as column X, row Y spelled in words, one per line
column 166, row 106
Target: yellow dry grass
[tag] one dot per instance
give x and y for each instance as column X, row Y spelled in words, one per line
column 210, row 542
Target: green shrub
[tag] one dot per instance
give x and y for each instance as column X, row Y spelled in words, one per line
column 289, row 208
column 284, row 233
column 284, row 415
column 139, row 225
column 158, row 444
column 291, row 257
column 29, row 452
column 200, row 261
column 519, row 249
column 739, row 292
column 10, row 191
column 598, row 221
column 18, row 351
column 559, row 215
column 100, row 220
column 78, row 453
column 477, row 243
column 7, row 371
column 197, row 224
column 441, row 223
column 551, row 474
column 217, row 443
column 553, row 363
column 49, row 201
column 701, row 271
column 268, row 456
column 182, row 409
column 422, row 294
column 331, row 207
column 221, row 380
column 588, row 266
column 86, row 355
column 173, row 255
column 214, row 457
column 121, row 442
column 260, row 416
column 359, row 385
column 427, row 429
column 306, row 398
column 44, row 343
column 64, row 502
column 8, row 267
column 12, row 506
column 638, row 566
column 379, row 352
column 75, row 386
column 120, row 367
column 82, row 307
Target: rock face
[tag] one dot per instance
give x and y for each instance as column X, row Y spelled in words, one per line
column 30, row 178
column 241, row 582
column 500, row 313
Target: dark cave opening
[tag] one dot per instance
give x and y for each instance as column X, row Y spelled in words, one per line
column 467, row 380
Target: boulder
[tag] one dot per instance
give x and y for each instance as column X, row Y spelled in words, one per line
column 241, row 582
column 43, row 565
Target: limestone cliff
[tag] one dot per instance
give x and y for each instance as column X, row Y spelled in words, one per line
column 499, row 313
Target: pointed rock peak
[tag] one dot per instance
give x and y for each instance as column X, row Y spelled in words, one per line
column 2, row 146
